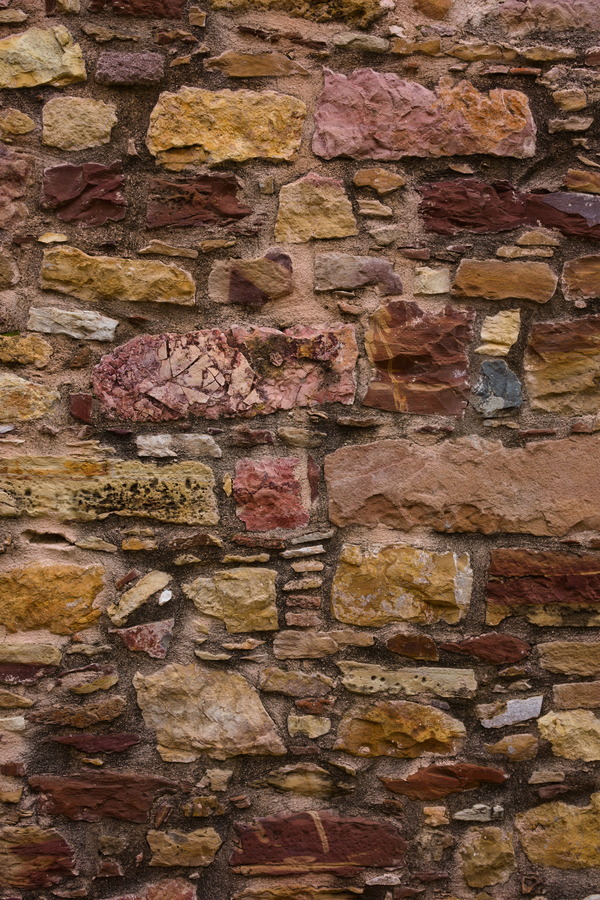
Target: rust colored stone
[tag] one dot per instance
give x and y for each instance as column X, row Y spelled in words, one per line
column 243, row 436
column 152, row 9
column 152, row 638
column 83, row 716
column 81, row 407
column 419, row 359
column 581, row 278
column 88, row 193
column 204, row 200
column 16, row 170
column 498, row 649
column 315, row 842
column 98, row 743
column 257, row 540
column 269, row 493
column 413, row 646
column 34, row 857
column 436, row 782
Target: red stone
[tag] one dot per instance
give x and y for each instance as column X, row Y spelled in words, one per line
column 89, row 193
column 34, row 857
column 436, row 782
column 523, row 577
column 151, row 9
column 315, row 706
column 98, row 743
column 413, row 646
column 152, row 638
column 24, row 673
column 269, row 493
column 243, row 436
column 203, row 200
column 257, row 540
column 492, row 648
column 81, row 407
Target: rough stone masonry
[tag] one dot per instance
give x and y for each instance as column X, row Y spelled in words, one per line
column 300, row 449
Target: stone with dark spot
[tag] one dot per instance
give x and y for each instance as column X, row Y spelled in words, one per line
column 203, row 200
column 89, row 193
column 130, row 69
column 251, row 282
column 268, row 492
column 24, row 673
column 498, row 390
column 419, row 359
column 151, row 9
column 34, row 857
column 413, row 646
column 437, row 782
column 341, row 271
column 498, row 649
column 152, row 638
column 98, row 743
column 315, row 842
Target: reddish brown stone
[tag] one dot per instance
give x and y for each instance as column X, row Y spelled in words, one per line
column 24, row 673
column 81, row 407
column 203, row 200
column 243, row 436
column 82, row 716
column 269, row 493
column 152, row 638
column 252, row 282
column 413, row 646
column 315, row 842
column 492, row 648
column 16, row 170
column 34, row 857
column 257, row 540
column 89, row 193
column 97, row 795
column 244, row 371
column 151, row 9
column 436, row 782
column 419, row 358
column 98, row 743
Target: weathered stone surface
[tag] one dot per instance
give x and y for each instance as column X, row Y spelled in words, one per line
column 581, row 278
column 413, row 646
column 493, row 279
column 243, row 597
column 194, row 709
column 77, row 323
column 583, row 180
column 419, row 359
column 515, row 747
column 251, row 282
column 381, row 180
column 570, row 657
column 314, row 207
column 561, row 836
column 14, row 123
column 340, row 271
column 77, row 123
column 310, row 726
column 152, row 638
column 561, row 365
column 89, row 679
column 435, row 9
column 400, row 584
column 40, row 56
column 198, row 126
column 400, row 729
column 203, row 200
column 357, row 115
column 509, row 712
column 82, row 716
column 365, row 678
column 97, row 795
column 437, row 782
column 98, row 743
column 295, row 683
column 243, row 371
column 183, row 848
column 315, row 842
column 136, row 596
column 85, row 489
column 467, row 485
column 89, row 193
column 500, row 332
column 550, row 15
column 268, row 493
column 16, row 170
column 296, row 892
column 29, row 654
column 9, row 276
column 577, row 695
column 253, row 65
column 497, row 390
column 352, row 12
column 155, row 9
column 99, row 278
column 487, row 856
column 127, row 69
column 12, row 700
column 306, row 779
column 32, row 857
column 574, row 734
column 317, row 644
column 22, row 400
column 498, row 649
column 57, row 597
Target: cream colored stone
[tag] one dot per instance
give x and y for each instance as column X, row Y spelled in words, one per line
column 500, row 332
column 25, row 350
column 244, row 598
column 40, row 56
column 314, row 207
column 432, row 281
column 562, row 836
column 77, row 123
column 57, row 597
column 487, row 856
column 183, row 848
column 22, row 400
column 317, row 644
column 574, row 734
column 308, row 726
column 30, row 654
column 136, row 596
column 365, row 678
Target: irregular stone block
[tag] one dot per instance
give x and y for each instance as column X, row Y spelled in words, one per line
column 561, row 836
column 80, row 489
column 154, row 9
column 353, row 12
column 57, row 597
column 499, row 333
column 497, row 390
column 419, row 359
column 400, row 729
column 467, row 485
column 203, row 200
column 562, row 364
column 574, row 734
column 570, row 657
column 317, row 644
column 357, row 115
column 306, row 779
column 295, row 683
column 487, row 856
column 77, row 323
column 414, row 646
column 81, row 716
column 16, row 170
column 342, row 272
column 243, row 597
column 183, row 848
column 98, row 278
column 194, row 709
column 244, row 371
column 251, row 282
column 516, row 747
column 577, row 695
column 381, row 180
column 22, row 400
column 437, row 782
column 253, row 65
column 89, row 193
column 550, row 15
column 268, row 493
column 365, row 678
column 493, row 279
column 40, row 56
column 197, row 126
column 152, row 638
column 498, row 649
column 581, row 278
column 98, row 743
column 400, row 584
column 581, row 180
column 314, row 207
column 136, row 596
column 296, row 892
column 77, row 123
column 128, row 69
column 315, row 842
column 509, row 712
column 32, row 857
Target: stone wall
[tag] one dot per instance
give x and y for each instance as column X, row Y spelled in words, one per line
column 300, row 449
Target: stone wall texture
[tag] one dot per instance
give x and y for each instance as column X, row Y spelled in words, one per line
column 299, row 449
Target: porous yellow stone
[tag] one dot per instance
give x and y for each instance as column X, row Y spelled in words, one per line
column 574, row 734
column 57, row 597
column 26, row 350
column 244, row 598
column 40, row 56
column 77, row 123
column 22, row 400
column 562, row 836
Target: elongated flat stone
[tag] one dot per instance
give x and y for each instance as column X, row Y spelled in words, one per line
column 253, row 65
column 40, row 56
column 353, row 12
column 550, row 15
column 183, row 848
column 509, row 712
column 341, row 271
column 83, row 324
column 498, row 649
column 98, row 743
column 493, row 279
column 203, row 200
column 154, row 9
column 437, row 782
column 81, row 716
column 365, row 678
column 570, row 657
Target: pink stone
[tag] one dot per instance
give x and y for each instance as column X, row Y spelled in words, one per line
column 269, row 493
column 152, row 638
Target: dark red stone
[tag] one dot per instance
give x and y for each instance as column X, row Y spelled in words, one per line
column 315, row 707
column 151, row 9
column 89, row 193
column 436, row 782
column 498, row 649
column 243, row 436
column 98, row 743
column 413, row 646
column 126, row 69
column 152, row 638
column 203, row 200
column 315, row 842
column 95, row 796
column 523, row 577
column 269, row 493
column 193, row 541
column 81, row 406
column 24, row 673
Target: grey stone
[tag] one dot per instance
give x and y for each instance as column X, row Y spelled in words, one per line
column 498, row 389
column 340, row 271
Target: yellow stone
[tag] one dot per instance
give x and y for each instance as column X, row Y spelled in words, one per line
column 81, row 489
column 183, row 848
column 515, row 747
column 133, row 598
column 379, row 586
column 314, row 207
column 98, row 278
column 574, row 734
column 244, row 598
column 488, row 856
column 22, row 400
column 306, row 779
column 26, row 350
column 57, row 597
column 196, row 126
column 14, row 123
column 253, row 65
column 77, row 123
column 500, row 332
column 40, row 56
column 381, row 180
column 366, row 678
column 30, row 654
column 562, row 836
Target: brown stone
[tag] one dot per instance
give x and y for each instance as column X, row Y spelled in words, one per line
column 253, row 65
column 436, row 782
column 203, row 200
column 353, row 12
column 570, row 657
column 584, row 180
column 419, row 359
column 268, row 493
column 414, row 646
column 59, row 598
column 581, row 278
column 89, row 193
column 435, row 9
column 306, row 779
column 98, row 743
column 32, row 857
column 183, row 848
column 381, row 180
column 498, row 649
column 83, row 716
column 154, row 9
column 493, row 279
column 251, row 282
column 295, row 683
column 577, row 695
column 561, row 836
column 317, row 644
column 552, row 15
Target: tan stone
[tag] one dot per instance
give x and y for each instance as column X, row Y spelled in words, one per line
column 194, row 709
column 562, row 836
column 298, row 892
column 467, row 485
column 308, row 726
column 317, row 644
column 57, row 597
column 574, row 734
column 98, row 278
column 381, row 180
column 183, row 848
column 267, row 276
column 136, row 596
column 22, row 400
column 314, row 207
column 583, row 181
column 244, row 598
column 10, row 700
column 40, row 56
column 77, row 123
column 515, row 747
column 400, row 729
column 306, row 779
column 577, row 695
column 379, row 586
column 30, row 654
column 493, row 279
column 253, row 65
column 197, row 126
column 538, row 238
column 357, row 12
column 365, row 678
column 500, row 332
column 487, row 856
column 14, row 123
column 25, row 350
column 435, row 9
column 571, row 100
column 81, row 489
column 294, row 683
column 570, row 657
column 581, row 278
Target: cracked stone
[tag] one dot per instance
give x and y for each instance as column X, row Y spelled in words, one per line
column 89, row 193
column 561, row 365
column 40, row 56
